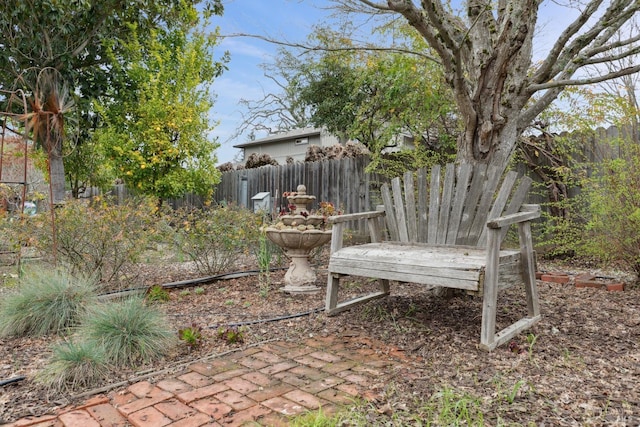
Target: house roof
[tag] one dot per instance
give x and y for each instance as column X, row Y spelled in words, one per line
column 295, row 133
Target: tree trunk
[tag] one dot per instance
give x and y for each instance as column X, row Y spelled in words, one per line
column 56, row 171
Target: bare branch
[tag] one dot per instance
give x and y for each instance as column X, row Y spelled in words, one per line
column 318, row 48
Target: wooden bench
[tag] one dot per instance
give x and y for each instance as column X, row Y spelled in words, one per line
column 445, row 232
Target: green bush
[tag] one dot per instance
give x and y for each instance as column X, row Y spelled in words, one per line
column 73, row 366
column 46, row 302
column 129, row 332
column 99, row 238
column 214, row 239
column 614, row 227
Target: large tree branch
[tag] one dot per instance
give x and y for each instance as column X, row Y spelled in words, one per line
column 584, row 81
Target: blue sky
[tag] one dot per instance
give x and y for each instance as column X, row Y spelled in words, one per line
column 290, row 20
column 293, row 20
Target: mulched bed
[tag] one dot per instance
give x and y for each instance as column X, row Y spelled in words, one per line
column 579, row 366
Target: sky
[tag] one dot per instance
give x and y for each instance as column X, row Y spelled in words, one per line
column 291, row 20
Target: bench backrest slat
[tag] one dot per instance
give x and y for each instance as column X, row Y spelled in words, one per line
column 453, row 209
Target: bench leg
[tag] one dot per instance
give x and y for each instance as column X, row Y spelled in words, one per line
column 332, row 306
column 489, row 340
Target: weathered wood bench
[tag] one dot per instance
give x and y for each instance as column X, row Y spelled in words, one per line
column 446, row 232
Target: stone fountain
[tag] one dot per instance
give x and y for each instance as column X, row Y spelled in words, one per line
column 297, row 233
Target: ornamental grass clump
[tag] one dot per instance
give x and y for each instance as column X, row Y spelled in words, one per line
column 129, row 332
column 45, row 302
column 73, row 366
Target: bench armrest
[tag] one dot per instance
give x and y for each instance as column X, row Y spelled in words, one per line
column 354, row 216
column 530, row 212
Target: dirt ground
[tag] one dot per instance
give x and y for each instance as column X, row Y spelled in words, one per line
column 579, row 366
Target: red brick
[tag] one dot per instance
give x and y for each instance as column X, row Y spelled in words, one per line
column 270, row 392
column 30, row 421
column 107, row 415
column 323, row 384
column 268, row 357
column 201, row 393
column 278, row 367
column 353, row 377
column 121, row 398
column 339, row 366
column 79, row 418
column 244, row 353
column 337, row 396
column 310, row 373
column 96, row 400
column 196, row 379
column 349, row 388
column 275, row 419
column 212, row 367
column 615, row 287
column 311, row 361
column 250, row 415
column 234, row 399
column 251, row 363
column 284, row 406
column 305, row 399
column 327, row 357
column 259, row 379
column 175, row 409
column 289, row 377
column 213, row 407
column 229, row 374
column 241, row 385
column 141, row 389
column 149, row 417
column 174, row 385
column 555, row 278
column 368, row 370
column 197, row 420
column 154, row 396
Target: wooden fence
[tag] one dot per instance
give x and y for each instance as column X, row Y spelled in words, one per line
column 342, row 182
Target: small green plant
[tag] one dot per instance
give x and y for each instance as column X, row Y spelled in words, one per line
column 264, row 256
column 511, row 396
column 73, row 366
column 185, row 293
column 46, row 302
column 531, row 341
column 157, row 293
column 214, row 238
column 129, row 332
column 232, row 334
column 191, row 336
column 317, row 418
column 198, row 291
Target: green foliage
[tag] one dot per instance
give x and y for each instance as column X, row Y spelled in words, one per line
column 46, row 301
column 72, row 367
column 614, row 202
column 215, row 238
column 94, row 63
column 191, row 336
column 129, row 332
column 158, row 138
column 232, row 334
column 157, row 293
column 100, row 239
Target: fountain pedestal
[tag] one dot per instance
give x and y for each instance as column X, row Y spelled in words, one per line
column 297, row 234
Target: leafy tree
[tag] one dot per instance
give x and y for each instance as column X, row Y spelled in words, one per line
column 486, row 53
column 70, row 37
column 157, row 137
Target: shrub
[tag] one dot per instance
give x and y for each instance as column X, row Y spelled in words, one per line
column 191, row 336
column 100, row 238
column 129, row 332
column 614, row 228
column 46, row 302
column 214, row 239
column 73, row 366
column 158, row 294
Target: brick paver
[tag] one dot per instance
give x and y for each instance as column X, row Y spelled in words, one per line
column 264, row 384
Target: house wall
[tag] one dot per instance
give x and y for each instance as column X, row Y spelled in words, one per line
column 281, row 149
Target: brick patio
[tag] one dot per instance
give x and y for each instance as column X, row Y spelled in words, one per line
column 265, row 384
